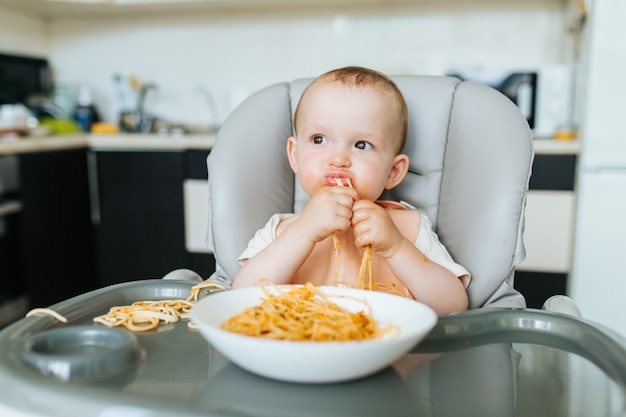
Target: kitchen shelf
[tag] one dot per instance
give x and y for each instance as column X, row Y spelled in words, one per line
column 127, row 8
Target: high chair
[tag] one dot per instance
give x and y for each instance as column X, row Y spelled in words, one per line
column 471, row 155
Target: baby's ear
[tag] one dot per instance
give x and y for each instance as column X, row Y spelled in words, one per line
column 398, row 170
column 291, row 153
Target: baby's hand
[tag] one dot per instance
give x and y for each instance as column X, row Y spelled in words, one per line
column 373, row 226
column 328, row 211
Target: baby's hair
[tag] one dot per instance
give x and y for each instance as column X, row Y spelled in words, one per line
column 364, row 78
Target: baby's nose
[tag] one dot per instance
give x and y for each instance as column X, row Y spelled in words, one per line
column 339, row 159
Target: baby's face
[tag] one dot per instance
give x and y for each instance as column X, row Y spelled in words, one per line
column 348, row 133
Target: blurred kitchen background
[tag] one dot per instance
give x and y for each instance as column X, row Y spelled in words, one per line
column 232, row 48
column 184, row 65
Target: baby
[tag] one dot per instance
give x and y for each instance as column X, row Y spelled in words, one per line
column 350, row 128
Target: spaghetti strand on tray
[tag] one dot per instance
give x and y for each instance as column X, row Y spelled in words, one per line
column 142, row 316
column 303, row 313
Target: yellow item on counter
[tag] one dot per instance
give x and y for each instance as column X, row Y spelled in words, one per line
column 565, row 134
column 104, row 128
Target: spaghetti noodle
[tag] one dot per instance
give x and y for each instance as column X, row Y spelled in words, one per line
column 366, row 264
column 46, row 312
column 142, row 316
column 303, row 313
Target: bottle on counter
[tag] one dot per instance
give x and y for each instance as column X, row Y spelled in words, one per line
column 85, row 114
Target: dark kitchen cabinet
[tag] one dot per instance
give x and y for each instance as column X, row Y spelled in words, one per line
column 137, row 214
column 94, row 218
column 56, row 238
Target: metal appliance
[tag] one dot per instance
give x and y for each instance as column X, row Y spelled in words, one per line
column 544, row 94
column 23, row 76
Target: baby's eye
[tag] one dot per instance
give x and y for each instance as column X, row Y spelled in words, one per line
column 365, row 146
column 319, row 139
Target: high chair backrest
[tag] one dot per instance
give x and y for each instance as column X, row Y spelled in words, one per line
column 471, row 155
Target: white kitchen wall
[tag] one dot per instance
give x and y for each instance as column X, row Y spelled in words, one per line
column 22, row 34
column 236, row 55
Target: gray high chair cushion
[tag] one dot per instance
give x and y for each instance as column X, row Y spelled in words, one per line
column 471, row 155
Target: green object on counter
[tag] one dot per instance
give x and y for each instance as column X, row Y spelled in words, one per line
column 60, row 126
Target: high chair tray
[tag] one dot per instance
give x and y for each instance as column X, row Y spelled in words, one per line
column 505, row 358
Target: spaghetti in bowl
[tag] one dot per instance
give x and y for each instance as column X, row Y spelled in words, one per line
column 399, row 324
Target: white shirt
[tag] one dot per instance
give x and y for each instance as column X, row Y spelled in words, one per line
column 426, row 241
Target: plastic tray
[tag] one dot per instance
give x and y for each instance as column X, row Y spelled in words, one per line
column 173, row 371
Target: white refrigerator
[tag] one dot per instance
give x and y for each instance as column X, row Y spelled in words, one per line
column 598, row 279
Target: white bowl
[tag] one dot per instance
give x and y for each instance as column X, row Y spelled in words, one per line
column 315, row 362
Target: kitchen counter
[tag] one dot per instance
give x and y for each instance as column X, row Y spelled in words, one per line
column 556, row 147
column 105, row 142
column 148, row 142
column 191, row 141
column 9, row 146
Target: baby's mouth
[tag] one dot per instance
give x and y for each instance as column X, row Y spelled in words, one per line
column 343, row 182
